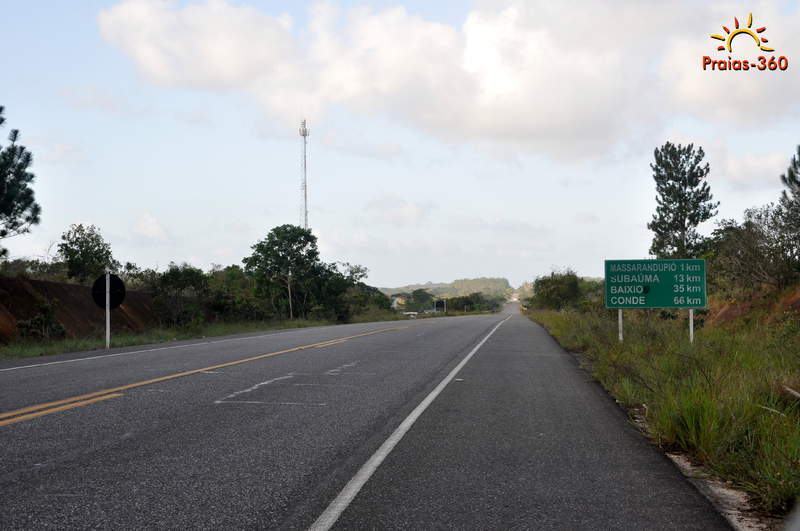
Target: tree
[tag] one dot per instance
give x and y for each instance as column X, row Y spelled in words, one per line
column 284, row 265
column 684, row 201
column 232, row 294
column 791, row 179
column 558, row 290
column 752, row 254
column 179, row 294
column 86, row 253
column 18, row 207
column 790, row 209
column 421, row 300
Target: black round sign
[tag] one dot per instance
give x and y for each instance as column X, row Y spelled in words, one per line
column 116, row 295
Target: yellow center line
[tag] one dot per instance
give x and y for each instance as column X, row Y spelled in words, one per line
column 84, row 398
column 57, row 409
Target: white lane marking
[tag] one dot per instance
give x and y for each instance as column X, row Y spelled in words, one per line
column 325, row 385
column 339, row 369
column 254, row 387
column 270, row 403
column 280, row 332
column 349, row 492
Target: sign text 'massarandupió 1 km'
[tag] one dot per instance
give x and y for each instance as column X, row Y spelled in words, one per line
column 656, row 283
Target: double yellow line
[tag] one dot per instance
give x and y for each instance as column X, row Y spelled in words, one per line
column 39, row 410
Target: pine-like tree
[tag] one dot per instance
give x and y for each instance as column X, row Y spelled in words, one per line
column 791, row 179
column 684, row 201
column 790, row 211
column 18, row 208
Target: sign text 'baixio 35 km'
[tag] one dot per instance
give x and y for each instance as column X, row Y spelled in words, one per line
column 656, row 283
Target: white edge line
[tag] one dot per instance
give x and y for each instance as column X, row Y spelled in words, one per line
column 156, row 349
column 351, row 490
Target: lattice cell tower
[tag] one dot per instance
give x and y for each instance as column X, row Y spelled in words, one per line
column 304, row 182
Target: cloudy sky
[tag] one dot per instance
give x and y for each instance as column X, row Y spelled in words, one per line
column 448, row 139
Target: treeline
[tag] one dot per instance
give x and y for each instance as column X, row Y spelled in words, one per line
column 283, row 278
column 492, row 287
column 421, row 300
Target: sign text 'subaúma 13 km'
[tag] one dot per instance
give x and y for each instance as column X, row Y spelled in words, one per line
column 656, row 283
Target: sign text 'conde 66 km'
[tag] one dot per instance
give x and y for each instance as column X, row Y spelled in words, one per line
column 656, row 283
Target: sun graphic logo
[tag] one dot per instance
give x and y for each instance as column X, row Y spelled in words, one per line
column 742, row 31
column 760, row 64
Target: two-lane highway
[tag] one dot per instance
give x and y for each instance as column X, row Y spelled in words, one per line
column 478, row 422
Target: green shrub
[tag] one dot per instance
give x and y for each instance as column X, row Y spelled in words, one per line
column 43, row 325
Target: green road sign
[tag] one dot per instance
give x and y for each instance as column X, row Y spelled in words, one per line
column 655, row 283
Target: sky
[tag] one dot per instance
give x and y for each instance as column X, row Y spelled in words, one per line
column 448, row 139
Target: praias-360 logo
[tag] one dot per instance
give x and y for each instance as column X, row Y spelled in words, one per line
column 760, row 64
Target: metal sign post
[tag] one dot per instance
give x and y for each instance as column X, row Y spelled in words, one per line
column 619, row 318
column 691, row 325
column 108, row 292
column 108, row 310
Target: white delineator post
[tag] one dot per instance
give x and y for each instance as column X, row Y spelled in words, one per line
column 691, row 325
column 108, row 310
column 619, row 319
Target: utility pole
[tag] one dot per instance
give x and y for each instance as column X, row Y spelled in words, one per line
column 304, row 184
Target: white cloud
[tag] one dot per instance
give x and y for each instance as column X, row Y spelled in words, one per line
column 394, row 210
column 194, row 117
column 148, row 228
column 585, row 218
column 99, row 99
column 742, row 170
column 361, row 147
column 566, row 80
column 210, row 45
column 539, row 78
column 754, row 170
column 55, row 151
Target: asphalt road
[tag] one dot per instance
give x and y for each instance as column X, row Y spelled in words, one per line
column 403, row 425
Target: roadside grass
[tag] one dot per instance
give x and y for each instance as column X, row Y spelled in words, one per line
column 375, row 314
column 729, row 400
column 24, row 349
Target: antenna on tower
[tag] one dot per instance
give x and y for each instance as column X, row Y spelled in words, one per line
column 304, row 183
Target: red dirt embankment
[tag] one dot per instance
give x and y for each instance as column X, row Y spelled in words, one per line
column 75, row 309
column 765, row 306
